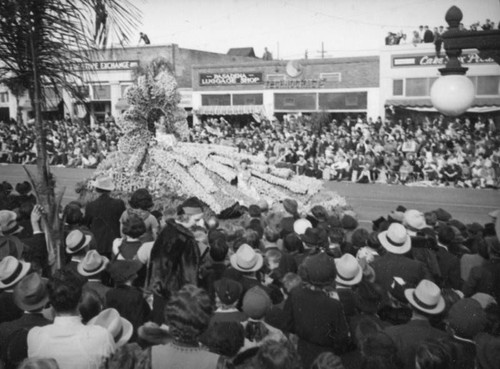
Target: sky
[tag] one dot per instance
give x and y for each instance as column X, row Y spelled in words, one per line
column 290, row 27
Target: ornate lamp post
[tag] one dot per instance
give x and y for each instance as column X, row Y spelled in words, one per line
column 453, row 93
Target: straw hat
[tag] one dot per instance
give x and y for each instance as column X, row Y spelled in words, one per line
column 396, row 239
column 31, row 292
column 120, row 328
column 12, row 271
column 92, row 264
column 349, row 272
column 76, row 240
column 246, row 259
column 426, row 297
column 104, row 183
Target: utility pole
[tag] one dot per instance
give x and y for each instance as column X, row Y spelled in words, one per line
column 306, row 56
column 322, row 52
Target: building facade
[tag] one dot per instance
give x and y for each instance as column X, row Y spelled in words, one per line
column 274, row 88
column 407, row 73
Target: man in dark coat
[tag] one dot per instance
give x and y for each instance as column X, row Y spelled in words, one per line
column 449, row 264
column 425, row 301
column 314, row 313
column 102, row 216
column 394, row 263
column 30, row 296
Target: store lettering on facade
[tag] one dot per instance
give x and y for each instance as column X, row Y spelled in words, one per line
column 107, row 65
column 296, row 83
column 221, row 79
column 433, row 60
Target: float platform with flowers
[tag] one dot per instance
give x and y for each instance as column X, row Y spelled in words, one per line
column 181, row 170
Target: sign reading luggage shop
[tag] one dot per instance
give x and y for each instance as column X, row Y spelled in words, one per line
column 433, row 60
column 107, row 65
column 223, row 79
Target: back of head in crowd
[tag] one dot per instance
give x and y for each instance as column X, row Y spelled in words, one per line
column 277, row 355
column 134, row 226
column 65, row 291
column 141, row 199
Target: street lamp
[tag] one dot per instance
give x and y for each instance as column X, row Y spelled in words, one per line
column 453, row 93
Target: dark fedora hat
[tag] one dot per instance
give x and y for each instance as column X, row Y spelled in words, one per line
column 314, row 237
column 122, row 270
column 31, row 292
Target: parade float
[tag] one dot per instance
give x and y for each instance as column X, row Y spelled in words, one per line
column 154, row 153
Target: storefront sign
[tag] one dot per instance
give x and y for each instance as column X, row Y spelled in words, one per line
column 433, row 60
column 223, row 79
column 108, row 65
column 296, row 83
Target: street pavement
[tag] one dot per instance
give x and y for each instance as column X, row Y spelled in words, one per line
column 369, row 200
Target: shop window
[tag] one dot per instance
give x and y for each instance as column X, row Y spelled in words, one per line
column 351, row 100
column 4, row 97
column 299, row 101
column 488, row 85
column 417, row 86
column 331, row 77
column 248, row 99
column 101, row 92
column 397, row 87
column 215, row 100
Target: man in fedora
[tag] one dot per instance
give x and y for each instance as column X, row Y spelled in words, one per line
column 395, row 263
column 120, row 328
column 349, row 274
column 10, row 244
column 102, row 216
column 426, row 301
column 30, row 296
column 91, row 268
column 246, row 261
column 12, row 271
column 291, row 208
column 77, row 245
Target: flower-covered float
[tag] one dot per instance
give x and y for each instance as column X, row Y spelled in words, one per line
column 153, row 154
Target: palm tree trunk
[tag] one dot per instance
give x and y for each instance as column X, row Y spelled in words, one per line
column 45, row 186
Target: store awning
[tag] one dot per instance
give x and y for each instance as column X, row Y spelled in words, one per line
column 480, row 105
column 230, row 110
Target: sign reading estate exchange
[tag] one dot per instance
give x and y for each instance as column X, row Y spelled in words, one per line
column 108, row 65
column 223, row 79
column 433, row 60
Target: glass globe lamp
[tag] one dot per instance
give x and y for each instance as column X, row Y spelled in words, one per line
column 452, row 94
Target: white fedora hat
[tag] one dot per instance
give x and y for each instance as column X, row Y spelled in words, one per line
column 120, row 328
column 92, row 264
column 12, row 271
column 396, row 239
column 246, row 259
column 300, row 226
column 349, row 272
column 104, row 183
column 426, row 297
column 414, row 221
column 76, row 240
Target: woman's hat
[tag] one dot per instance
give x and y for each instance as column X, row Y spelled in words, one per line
column 290, row 206
column 349, row 222
column 122, row 270
column 315, row 237
column 120, row 328
column 368, row 297
column 246, row 259
column 23, row 187
column 349, row 272
column 104, row 183
column 76, row 241
column 426, row 297
column 31, row 293
column 12, row 271
column 300, row 226
column 318, row 269
column 256, row 302
column 92, row 264
column 467, row 318
column 228, row 290
column 396, row 239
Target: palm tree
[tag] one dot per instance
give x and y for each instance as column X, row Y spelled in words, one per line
column 40, row 42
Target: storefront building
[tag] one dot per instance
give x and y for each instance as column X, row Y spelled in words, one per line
column 407, row 73
column 274, row 88
column 105, row 79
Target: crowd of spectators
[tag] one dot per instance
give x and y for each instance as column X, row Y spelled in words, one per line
column 460, row 152
column 425, row 35
column 70, row 143
column 272, row 288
